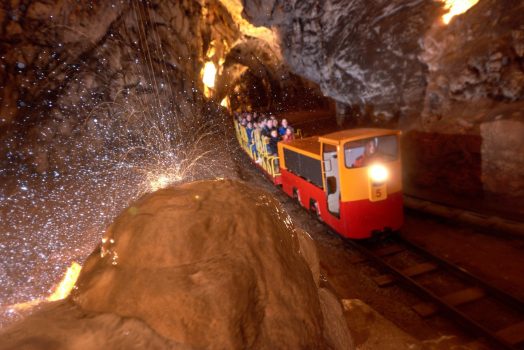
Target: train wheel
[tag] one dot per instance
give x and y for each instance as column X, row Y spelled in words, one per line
column 384, row 236
column 390, row 236
column 296, row 195
column 314, row 209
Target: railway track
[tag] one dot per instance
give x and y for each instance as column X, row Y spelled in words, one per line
column 444, row 287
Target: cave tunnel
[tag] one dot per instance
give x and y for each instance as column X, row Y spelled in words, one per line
column 120, row 118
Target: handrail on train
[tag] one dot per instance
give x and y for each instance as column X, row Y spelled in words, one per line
column 268, row 162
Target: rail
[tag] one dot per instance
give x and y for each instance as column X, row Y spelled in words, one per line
column 459, row 303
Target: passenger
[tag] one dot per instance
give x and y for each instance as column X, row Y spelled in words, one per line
column 267, row 127
column 289, row 134
column 249, row 132
column 370, row 154
column 257, row 134
column 249, row 118
column 283, row 127
column 272, row 147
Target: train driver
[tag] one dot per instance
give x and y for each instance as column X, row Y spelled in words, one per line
column 370, row 154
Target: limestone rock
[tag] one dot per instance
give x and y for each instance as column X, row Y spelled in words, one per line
column 370, row 330
column 210, row 264
column 359, row 52
column 502, row 160
column 62, row 325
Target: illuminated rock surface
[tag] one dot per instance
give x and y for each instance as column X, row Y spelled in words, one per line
column 102, row 102
column 211, row 264
column 397, row 64
column 99, row 100
column 398, row 58
column 371, row 330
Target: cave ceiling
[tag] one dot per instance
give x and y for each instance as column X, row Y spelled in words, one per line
column 397, row 60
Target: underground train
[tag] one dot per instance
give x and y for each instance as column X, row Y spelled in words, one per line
column 350, row 179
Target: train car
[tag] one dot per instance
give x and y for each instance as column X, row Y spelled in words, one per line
column 256, row 148
column 351, row 179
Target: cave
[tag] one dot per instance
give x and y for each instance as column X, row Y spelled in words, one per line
column 103, row 104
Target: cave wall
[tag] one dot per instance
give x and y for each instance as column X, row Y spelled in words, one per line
column 100, row 102
column 75, row 74
column 475, row 89
column 395, row 63
column 84, row 70
column 475, row 67
column 256, row 77
column 69, row 70
column 359, row 52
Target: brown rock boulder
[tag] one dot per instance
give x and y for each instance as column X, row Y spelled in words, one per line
column 211, row 264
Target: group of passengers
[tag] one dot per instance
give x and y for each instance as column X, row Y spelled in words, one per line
column 264, row 126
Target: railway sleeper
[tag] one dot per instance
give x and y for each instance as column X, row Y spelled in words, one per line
column 391, row 249
column 454, row 299
column 513, row 334
column 415, row 270
column 507, row 338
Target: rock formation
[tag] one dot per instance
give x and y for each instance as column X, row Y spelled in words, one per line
column 100, row 100
column 389, row 61
column 360, row 53
column 70, row 70
column 380, row 62
column 84, row 69
column 213, row 264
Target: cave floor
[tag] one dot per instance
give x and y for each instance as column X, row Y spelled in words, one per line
column 481, row 253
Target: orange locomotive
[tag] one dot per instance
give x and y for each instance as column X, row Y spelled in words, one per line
column 351, row 179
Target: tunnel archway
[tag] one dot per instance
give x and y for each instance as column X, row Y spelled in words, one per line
column 254, row 76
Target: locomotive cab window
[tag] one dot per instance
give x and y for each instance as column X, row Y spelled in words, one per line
column 363, row 152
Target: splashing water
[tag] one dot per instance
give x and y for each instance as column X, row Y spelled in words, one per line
column 137, row 143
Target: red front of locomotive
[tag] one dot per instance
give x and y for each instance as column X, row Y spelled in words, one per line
column 352, row 179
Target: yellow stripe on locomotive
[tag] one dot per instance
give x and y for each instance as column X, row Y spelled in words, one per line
column 351, row 178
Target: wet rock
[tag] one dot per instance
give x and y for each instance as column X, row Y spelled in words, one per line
column 75, row 59
column 211, row 264
column 229, row 275
column 372, row 331
column 476, row 53
column 502, row 161
column 359, row 53
column 63, row 325
column 335, row 328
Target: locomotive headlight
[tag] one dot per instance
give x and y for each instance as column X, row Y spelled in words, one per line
column 378, row 173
